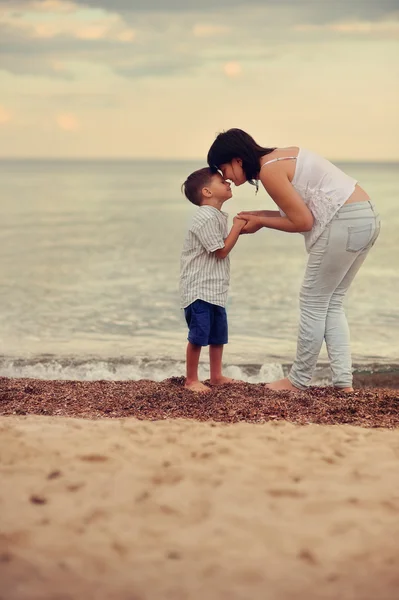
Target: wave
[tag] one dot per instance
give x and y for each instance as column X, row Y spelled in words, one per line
column 123, row 369
column 51, row 367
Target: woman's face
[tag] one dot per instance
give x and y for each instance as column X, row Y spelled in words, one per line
column 234, row 171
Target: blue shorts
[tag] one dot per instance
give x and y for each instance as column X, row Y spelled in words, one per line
column 207, row 323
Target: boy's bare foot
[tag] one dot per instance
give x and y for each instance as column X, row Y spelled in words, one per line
column 222, row 380
column 196, row 386
column 282, row 384
column 347, row 390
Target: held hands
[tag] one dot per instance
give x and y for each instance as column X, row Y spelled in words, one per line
column 252, row 222
column 239, row 222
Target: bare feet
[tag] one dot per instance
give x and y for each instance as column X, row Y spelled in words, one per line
column 347, row 390
column 196, row 386
column 222, row 380
column 282, row 384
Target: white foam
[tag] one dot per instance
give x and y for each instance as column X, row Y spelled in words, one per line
column 267, row 372
column 135, row 369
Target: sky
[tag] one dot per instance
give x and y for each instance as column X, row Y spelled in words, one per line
column 160, row 78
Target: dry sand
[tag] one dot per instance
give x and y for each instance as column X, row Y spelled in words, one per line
column 127, row 509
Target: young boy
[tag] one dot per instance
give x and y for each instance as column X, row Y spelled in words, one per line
column 205, row 274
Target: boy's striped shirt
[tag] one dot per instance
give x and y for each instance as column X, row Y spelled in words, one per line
column 202, row 275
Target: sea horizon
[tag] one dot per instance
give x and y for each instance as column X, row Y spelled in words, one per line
column 141, row 159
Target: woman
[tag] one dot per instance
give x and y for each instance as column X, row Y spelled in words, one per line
column 339, row 224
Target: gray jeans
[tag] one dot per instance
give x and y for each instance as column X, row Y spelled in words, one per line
column 333, row 263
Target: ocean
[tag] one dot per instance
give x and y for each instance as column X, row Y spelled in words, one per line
column 90, row 255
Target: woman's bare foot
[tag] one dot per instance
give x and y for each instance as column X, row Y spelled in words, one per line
column 222, row 380
column 196, row 386
column 347, row 390
column 282, row 384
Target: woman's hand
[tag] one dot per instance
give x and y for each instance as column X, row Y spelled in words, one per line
column 253, row 223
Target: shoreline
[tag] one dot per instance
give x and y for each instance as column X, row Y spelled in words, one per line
column 134, row 368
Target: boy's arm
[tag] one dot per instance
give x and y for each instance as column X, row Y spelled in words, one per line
column 231, row 239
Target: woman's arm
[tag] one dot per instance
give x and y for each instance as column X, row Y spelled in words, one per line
column 255, row 223
column 298, row 216
column 261, row 213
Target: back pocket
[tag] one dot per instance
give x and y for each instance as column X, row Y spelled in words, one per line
column 359, row 237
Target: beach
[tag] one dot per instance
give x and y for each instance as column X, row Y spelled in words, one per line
column 143, row 490
column 116, row 482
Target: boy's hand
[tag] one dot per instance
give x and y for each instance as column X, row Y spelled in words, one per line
column 231, row 240
column 238, row 222
column 253, row 223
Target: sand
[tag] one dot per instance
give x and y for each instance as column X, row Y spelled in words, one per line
column 128, row 509
column 146, row 491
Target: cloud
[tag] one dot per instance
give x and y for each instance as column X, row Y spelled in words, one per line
column 366, row 9
column 159, row 66
column 183, row 5
column 44, row 42
column 354, row 27
column 209, row 30
column 83, row 101
column 55, row 6
column 5, row 115
column 67, row 122
column 128, row 35
column 72, row 22
column 61, row 39
column 319, row 10
column 232, row 69
column 22, row 55
column 143, row 5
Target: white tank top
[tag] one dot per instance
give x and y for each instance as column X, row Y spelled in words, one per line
column 323, row 187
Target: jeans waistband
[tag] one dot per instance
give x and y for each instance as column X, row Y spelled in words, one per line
column 354, row 206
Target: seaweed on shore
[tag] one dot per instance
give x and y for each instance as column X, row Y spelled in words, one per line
column 253, row 403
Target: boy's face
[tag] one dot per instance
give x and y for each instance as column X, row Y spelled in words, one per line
column 219, row 187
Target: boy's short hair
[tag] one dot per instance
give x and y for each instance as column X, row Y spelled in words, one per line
column 194, row 183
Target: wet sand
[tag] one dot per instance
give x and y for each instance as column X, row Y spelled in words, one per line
column 244, row 494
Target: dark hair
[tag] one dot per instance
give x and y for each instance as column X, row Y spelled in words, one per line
column 194, row 183
column 236, row 143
